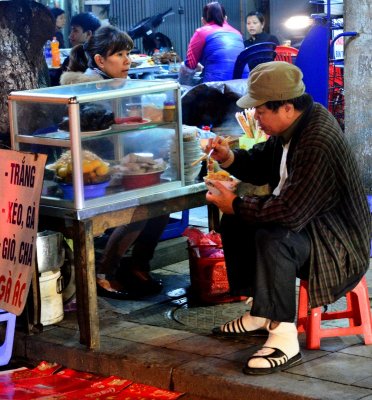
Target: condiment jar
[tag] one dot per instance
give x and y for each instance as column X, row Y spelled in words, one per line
column 169, row 111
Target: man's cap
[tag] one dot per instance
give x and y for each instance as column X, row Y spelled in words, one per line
column 272, row 81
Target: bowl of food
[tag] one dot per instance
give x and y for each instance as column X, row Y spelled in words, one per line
column 96, row 174
column 228, row 181
column 138, row 170
column 140, row 180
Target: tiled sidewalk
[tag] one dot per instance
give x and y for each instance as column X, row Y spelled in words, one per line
column 165, row 341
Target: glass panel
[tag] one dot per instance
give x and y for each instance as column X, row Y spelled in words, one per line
column 108, row 146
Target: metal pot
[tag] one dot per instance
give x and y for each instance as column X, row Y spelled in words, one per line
column 50, row 252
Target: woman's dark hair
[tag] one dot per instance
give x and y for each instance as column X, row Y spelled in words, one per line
column 78, row 61
column 257, row 14
column 107, row 41
column 57, row 12
column 214, row 12
column 299, row 103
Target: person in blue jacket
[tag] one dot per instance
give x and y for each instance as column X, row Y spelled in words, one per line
column 213, row 48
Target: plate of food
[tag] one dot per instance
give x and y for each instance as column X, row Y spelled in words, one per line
column 135, row 120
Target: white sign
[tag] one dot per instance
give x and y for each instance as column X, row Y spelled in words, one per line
column 338, row 46
column 96, row 2
column 21, row 181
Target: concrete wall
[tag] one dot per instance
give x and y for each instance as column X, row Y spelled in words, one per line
column 178, row 27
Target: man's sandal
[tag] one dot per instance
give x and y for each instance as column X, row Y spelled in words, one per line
column 278, row 361
column 236, row 328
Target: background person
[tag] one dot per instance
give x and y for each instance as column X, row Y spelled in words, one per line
column 314, row 225
column 106, row 55
column 83, row 26
column 255, row 22
column 60, row 18
column 213, row 48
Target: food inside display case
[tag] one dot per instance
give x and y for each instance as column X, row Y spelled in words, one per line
column 95, row 170
column 137, row 170
column 100, row 139
column 93, row 117
column 114, row 164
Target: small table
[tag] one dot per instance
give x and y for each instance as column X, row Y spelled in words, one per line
column 140, row 72
column 82, row 231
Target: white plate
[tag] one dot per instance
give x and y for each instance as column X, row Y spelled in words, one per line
column 93, row 133
column 88, row 133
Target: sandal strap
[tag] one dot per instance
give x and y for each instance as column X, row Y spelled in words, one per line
column 234, row 326
column 275, row 359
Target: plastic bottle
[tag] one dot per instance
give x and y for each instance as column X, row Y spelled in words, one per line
column 206, row 131
column 48, row 53
column 156, row 56
column 169, row 111
column 56, row 56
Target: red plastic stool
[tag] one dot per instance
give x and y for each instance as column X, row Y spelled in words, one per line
column 358, row 312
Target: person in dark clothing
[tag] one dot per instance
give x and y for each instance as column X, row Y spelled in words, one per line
column 255, row 27
column 60, row 18
column 313, row 224
column 83, row 26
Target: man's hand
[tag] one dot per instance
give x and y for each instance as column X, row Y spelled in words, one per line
column 223, row 200
column 221, row 149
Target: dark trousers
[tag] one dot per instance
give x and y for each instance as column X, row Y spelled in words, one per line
column 263, row 261
column 143, row 235
column 144, row 247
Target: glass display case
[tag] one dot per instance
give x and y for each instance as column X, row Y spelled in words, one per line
column 107, row 142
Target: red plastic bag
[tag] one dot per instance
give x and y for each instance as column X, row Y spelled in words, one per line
column 196, row 237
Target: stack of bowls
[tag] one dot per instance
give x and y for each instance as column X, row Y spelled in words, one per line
column 191, row 152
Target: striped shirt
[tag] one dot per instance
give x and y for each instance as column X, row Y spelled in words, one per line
column 322, row 193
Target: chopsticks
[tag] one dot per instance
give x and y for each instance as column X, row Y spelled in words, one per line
column 203, row 157
column 248, row 124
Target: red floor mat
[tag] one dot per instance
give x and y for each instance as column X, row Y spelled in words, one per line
column 50, row 381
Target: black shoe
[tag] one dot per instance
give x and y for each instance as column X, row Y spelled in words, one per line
column 146, row 285
column 139, row 283
column 112, row 293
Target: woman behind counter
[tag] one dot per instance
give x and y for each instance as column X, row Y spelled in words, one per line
column 213, row 48
column 105, row 56
column 255, row 25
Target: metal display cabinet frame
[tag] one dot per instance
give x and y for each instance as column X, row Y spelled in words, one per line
column 82, row 220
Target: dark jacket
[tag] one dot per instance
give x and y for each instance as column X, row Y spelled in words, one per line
column 261, row 37
column 323, row 193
